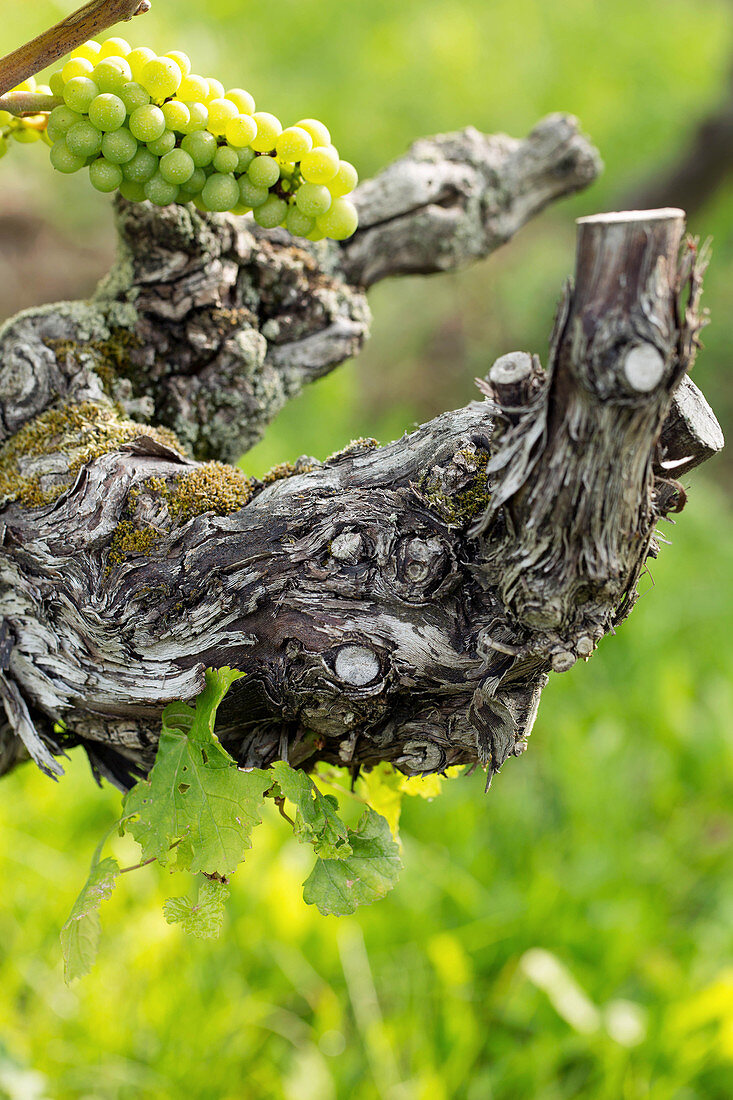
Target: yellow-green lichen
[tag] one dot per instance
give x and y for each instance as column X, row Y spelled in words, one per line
column 128, row 539
column 210, row 487
column 460, row 507
column 110, row 357
column 78, row 433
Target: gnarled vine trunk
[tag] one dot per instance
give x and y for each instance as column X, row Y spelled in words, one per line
column 402, row 602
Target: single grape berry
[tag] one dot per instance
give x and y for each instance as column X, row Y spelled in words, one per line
column 182, row 60
column 80, row 93
column 111, row 75
column 193, row 87
column 313, row 199
column 137, row 60
column 89, row 51
column 344, row 181
column 114, row 47
column 107, row 112
column 119, row 147
column 241, row 130
column 160, row 191
column 194, row 185
column 320, row 165
column 220, row 112
column 201, row 147
column 176, row 114
column 250, row 195
column 104, row 175
column 64, row 160
column 293, row 143
column 76, row 66
column 163, row 144
column 161, row 77
column 216, row 88
column 272, row 212
column 133, row 95
column 60, row 122
column 298, row 223
column 142, row 167
column 340, row 221
column 318, row 132
column 268, row 131
column 147, row 123
column 84, row 139
column 243, row 101
column 264, row 172
column 198, row 117
column 177, row 166
column 225, row 159
column 220, row 192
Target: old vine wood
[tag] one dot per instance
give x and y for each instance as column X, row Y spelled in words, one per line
column 399, row 603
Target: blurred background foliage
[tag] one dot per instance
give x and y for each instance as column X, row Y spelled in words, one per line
column 570, row 935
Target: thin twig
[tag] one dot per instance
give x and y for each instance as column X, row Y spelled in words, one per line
column 92, row 19
column 137, row 866
column 28, row 103
column 280, row 803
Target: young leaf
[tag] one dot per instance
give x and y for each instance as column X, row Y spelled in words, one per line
column 80, row 935
column 339, row 886
column 202, row 918
column 317, row 821
column 195, row 796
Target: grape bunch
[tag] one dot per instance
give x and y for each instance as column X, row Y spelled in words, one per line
column 148, row 127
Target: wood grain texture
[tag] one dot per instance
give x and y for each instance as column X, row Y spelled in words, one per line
column 403, row 602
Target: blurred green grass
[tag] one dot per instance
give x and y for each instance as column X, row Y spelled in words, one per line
column 608, row 845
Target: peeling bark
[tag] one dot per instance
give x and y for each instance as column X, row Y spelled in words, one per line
column 400, row 603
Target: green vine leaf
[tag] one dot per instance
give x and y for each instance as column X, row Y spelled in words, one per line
column 202, row 918
column 317, row 821
column 340, row 886
column 81, row 933
column 195, row 796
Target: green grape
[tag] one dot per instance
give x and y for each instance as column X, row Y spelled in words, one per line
column 320, row 165
column 138, row 59
column 133, row 192
column 60, row 122
column 114, row 47
column 198, row 117
column 26, row 135
column 177, row 166
column 245, row 157
column 105, row 176
column 201, row 147
column 220, row 112
column 242, row 100
column 176, row 114
column 250, row 195
column 241, row 131
column 5, row 118
column 293, row 143
column 56, row 84
column 216, row 89
column 193, row 88
column 111, row 75
column 147, row 123
column 133, row 95
column 195, row 184
column 313, row 199
column 240, row 208
column 163, row 144
column 298, row 223
column 76, row 66
column 3, row 146
column 142, row 167
column 318, row 132
column 83, row 139
column 160, row 191
column 80, row 93
column 182, row 60
column 344, row 181
column 119, row 147
column 221, row 192
column 107, row 112
column 89, row 51
column 161, row 77
column 264, row 172
column 268, row 131
column 63, row 160
column 272, row 212
column 225, row 159
column 340, row 221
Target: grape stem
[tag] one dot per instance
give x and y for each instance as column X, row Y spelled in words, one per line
column 63, row 37
column 28, row 103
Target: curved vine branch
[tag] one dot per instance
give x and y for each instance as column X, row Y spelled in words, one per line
column 400, row 603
